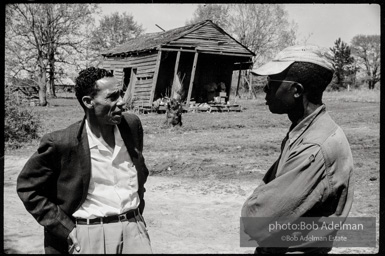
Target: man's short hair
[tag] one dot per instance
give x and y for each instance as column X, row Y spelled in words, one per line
column 85, row 84
column 313, row 78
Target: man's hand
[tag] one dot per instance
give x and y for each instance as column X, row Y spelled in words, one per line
column 73, row 241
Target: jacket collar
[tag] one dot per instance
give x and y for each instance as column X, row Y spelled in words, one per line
column 83, row 153
column 300, row 128
column 128, row 138
column 125, row 132
column 82, row 131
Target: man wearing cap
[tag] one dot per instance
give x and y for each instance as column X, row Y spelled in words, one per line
column 85, row 183
column 313, row 175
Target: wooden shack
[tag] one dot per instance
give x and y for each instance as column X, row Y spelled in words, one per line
column 197, row 61
column 64, row 84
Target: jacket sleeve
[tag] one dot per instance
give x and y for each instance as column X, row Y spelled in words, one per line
column 140, row 135
column 301, row 185
column 36, row 187
column 144, row 171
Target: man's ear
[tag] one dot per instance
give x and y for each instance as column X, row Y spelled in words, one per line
column 87, row 101
column 298, row 90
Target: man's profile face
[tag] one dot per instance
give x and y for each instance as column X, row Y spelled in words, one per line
column 279, row 94
column 108, row 102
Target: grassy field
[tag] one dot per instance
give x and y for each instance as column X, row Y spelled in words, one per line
column 217, row 144
column 240, row 146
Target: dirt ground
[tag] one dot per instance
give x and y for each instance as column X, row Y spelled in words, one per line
column 202, row 173
column 183, row 215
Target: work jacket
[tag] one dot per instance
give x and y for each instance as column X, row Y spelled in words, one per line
column 313, row 177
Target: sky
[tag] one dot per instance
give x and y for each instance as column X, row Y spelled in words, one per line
column 320, row 24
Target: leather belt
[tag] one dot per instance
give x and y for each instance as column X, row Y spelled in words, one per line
column 109, row 219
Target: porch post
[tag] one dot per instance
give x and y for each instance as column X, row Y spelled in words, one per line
column 192, row 79
column 175, row 73
column 239, row 78
column 155, row 77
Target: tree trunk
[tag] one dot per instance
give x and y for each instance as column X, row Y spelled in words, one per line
column 51, row 84
column 42, row 97
column 42, row 89
column 51, row 88
column 371, row 85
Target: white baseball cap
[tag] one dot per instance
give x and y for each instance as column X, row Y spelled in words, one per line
column 298, row 53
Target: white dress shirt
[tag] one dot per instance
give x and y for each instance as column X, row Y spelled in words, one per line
column 113, row 187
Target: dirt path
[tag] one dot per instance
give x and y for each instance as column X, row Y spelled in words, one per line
column 191, row 216
column 183, row 215
column 22, row 234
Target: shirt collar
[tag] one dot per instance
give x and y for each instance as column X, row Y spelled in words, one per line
column 93, row 141
column 118, row 137
column 304, row 124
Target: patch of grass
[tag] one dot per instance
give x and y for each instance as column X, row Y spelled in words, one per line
column 355, row 95
column 248, row 138
column 230, row 144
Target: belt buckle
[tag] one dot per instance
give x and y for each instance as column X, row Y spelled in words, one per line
column 122, row 217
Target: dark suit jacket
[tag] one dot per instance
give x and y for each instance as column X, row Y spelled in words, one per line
column 54, row 182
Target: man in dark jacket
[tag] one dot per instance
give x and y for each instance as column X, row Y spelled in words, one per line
column 85, row 184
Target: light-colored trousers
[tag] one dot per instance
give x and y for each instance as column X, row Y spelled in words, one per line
column 127, row 237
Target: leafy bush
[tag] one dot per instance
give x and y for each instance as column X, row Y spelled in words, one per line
column 20, row 124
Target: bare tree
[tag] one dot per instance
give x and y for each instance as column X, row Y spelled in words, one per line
column 367, row 49
column 263, row 28
column 39, row 35
column 24, row 44
column 113, row 30
column 217, row 13
column 65, row 36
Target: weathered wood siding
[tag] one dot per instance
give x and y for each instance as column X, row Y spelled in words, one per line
column 209, row 38
column 145, row 68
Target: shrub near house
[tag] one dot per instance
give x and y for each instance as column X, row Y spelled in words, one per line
column 20, row 124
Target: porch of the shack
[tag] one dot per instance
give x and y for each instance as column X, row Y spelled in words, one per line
column 201, row 80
